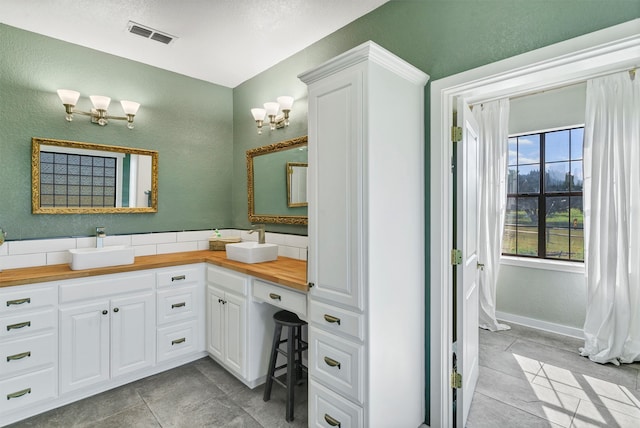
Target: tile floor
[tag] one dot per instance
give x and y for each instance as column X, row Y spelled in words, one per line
column 199, row 394
column 532, row 378
column 528, row 378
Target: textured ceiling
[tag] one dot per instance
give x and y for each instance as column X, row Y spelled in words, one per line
column 220, row 41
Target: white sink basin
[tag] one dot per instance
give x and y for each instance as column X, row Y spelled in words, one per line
column 252, row 252
column 90, row 258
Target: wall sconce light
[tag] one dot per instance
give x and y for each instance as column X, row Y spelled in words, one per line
column 270, row 110
column 98, row 113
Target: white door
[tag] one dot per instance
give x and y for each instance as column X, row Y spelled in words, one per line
column 234, row 310
column 84, row 345
column 215, row 320
column 132, row 333
column 466, row 278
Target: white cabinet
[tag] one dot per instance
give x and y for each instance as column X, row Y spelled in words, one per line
column 227, row 318
column 180, row 311
column 366, row 241
column 107, row 337
column 28, row 346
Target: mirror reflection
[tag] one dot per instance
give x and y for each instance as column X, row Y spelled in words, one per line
column 269, row 184
column 71, row 177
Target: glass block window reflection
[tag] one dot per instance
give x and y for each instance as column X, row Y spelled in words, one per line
column 71, row 180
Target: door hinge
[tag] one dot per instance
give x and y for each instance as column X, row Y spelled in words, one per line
column 456, row 134
column 456, row 257
column 456, row 380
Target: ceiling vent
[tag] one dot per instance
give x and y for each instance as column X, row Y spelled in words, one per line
column 149, row 33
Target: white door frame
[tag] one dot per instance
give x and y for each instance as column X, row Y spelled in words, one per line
column 603, row 52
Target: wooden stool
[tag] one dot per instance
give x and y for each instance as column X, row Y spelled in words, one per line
column 293, row 353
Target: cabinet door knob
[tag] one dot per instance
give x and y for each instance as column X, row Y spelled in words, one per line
column 275, row 296
column 18, row 301
column 332, row 421
column 19, row 325
column 18, row 393
column 19, row 356
column 311, row 284
column 116, row 310
column 332, row 363
column 105, row 312
column 331, row 319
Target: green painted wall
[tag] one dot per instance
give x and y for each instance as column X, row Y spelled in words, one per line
column 441, row 37
column 189, row 122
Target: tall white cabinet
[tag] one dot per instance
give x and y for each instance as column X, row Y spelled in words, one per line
column 366, row 241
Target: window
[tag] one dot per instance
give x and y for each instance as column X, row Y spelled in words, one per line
column 559, row 233
column 70, row 180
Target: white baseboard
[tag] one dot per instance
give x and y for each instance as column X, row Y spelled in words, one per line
column 541, row 325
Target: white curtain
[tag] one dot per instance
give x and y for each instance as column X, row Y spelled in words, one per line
column 493, row 119
column 612, row 219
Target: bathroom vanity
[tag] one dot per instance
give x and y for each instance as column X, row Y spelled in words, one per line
column 66, row 335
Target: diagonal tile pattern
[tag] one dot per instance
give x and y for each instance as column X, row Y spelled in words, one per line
column 530, row 377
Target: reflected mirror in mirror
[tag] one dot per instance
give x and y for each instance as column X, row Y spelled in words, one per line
column 297, row 184
column 269, row 184
column 70, row 177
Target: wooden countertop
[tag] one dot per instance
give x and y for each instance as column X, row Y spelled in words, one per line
column 284, row 271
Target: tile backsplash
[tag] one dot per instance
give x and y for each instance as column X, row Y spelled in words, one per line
column 41, row 252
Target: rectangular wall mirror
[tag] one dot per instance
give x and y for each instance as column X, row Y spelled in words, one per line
column 275, row 195
column 70, row 177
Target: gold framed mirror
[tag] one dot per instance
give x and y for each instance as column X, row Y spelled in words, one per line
column 267, row 182
column 71, row 177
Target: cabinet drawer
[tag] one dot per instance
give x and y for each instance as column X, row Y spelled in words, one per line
column 281, row 297
column 327, row 409
column 177, row 340
column 226, row 279
column 178, row 277
column 177, row 304
column 28, row 389
column 18, row 325
column 337, row 362
column 22, row 298
column 24, row 354
column 336, row 320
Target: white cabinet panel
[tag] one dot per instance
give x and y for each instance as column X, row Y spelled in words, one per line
column 235, row 332
column 215, row 322
column 176, row 340
column 336, row 320
column 132, row 326
column 21, row 323
column 281, row 297
column 327, row 410
column 27, row 353
column 177, row 304
column 23, row 391
column 179, row 276
column 24, row 298
column 84, row 345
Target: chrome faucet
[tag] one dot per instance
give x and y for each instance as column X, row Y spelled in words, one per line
column 260, row 229
column 100, row 235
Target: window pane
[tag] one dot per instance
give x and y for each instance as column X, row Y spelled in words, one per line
column 577, row 138
column 556, row 146
column 576, row 239
column 527, row 226
column 529, row 149
column 557, row 178
column 512, row 180
column 557, row 222
column 529, row 179
column 576, row 176
column 510, row 227
column 513, row 151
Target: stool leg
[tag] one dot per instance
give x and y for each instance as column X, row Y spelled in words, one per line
column 291, row 381
column 299, row 353
column 272, row 362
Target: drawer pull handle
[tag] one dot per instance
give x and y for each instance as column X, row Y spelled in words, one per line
column 19, row 394
column 178, row 341
column 19, row 301
column 19, row 325
column 178, row 278
column 332, row 421
column 178, row 305
column 19, row 356
column 275, row 296
column 332, row 363
column 331, row 319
